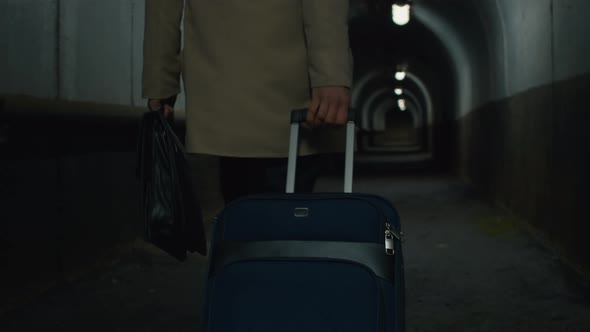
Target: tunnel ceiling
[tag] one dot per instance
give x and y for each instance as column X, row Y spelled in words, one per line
column 445, row 44
column 379, row 46
column 445, row 50
column 377, row 41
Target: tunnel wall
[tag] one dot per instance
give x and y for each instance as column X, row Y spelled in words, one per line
column 522, row 70
column 524, row 146
column 69, row 194
column 70, row 104
column 75, row 50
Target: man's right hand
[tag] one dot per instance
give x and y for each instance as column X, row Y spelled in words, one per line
column 156, row 105
column 329, row 106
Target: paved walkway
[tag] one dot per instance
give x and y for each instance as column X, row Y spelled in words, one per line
column 468, row 268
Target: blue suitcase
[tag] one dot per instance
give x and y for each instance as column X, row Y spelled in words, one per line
column 318, row 262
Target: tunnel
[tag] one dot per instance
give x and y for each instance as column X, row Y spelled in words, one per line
column 470, row 118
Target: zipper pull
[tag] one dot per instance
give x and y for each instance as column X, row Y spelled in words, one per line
column 389, row 250
column 398, row 235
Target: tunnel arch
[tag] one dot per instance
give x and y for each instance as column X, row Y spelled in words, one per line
column 447, row 46
column 385, row 107
column 378, row 48
column 463, row 29
column 363, row 105
column 396, row 129
column 422, row 108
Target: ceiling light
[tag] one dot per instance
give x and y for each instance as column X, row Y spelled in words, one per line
column 402, row 104
column 400, row 13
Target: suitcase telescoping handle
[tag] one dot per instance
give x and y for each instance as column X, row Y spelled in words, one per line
column 297, row 117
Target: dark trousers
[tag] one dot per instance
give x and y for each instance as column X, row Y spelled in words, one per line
column 250, row 176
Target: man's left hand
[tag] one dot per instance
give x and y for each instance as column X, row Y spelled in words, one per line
column 329, row 106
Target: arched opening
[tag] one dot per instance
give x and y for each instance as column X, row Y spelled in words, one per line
column 396, row 129
column 381, row 49
column 376, row 92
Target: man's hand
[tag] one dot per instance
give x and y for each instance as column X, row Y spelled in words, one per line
column 156, row 105
column 329, row 106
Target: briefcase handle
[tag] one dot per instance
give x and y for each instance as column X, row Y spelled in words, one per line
column 297, row 117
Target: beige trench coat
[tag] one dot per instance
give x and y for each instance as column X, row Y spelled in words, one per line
column 245, row 65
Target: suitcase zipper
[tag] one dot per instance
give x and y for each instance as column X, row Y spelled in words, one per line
column 390, row 233
column 389, row 245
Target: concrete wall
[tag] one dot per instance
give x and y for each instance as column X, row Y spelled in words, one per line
column 70, row 106
column 28, row 60
column 76, row 50
column 527, row 44
column 503, row 47
column 571, row 30
column 534, row 42
column 462, row 38
column 521, row 132
column 69, row 196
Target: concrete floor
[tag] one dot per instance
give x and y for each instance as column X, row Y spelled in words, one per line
column 468, row 268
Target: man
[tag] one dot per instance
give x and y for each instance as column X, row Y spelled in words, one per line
column 246, row 65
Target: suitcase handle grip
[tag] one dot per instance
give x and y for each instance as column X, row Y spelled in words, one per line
column 300, row 115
